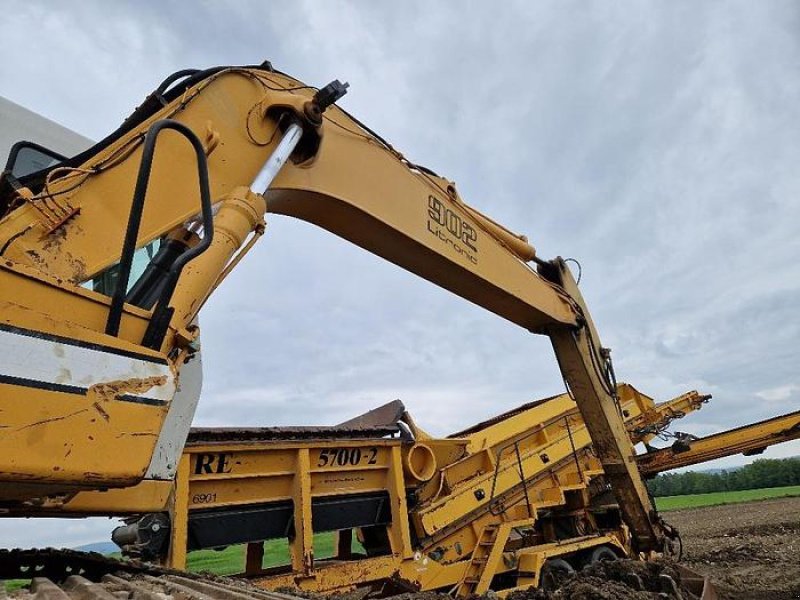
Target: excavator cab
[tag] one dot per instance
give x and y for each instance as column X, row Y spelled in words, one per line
column 27, row 158
column 67, row 425
column 24, row 158
column 100, row 287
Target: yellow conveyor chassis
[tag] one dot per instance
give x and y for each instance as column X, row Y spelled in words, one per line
column 491, row 507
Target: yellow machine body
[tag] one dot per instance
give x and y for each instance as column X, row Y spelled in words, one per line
column 749, row 440
column 502, row 497
column 98, row 382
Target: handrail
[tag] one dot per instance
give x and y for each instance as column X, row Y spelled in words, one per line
column 162, row 313
column 523, row 480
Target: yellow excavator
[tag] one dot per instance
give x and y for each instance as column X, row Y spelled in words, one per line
column 107, row 258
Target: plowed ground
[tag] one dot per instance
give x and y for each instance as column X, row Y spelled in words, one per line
column 751, row 550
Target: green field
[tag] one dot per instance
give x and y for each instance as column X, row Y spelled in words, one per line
column 231, row 559
column 697, row 500
column 276, row 552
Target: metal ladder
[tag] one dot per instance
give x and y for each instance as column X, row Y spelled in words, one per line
column 486, row 557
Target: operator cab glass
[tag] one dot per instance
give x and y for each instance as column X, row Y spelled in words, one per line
column 27, row 157
column 106, row 282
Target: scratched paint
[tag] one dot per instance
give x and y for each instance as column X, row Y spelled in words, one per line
column 105, row 375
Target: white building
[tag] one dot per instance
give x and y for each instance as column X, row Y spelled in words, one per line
column 18, row 123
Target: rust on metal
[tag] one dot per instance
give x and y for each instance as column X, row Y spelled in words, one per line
column 110, row 390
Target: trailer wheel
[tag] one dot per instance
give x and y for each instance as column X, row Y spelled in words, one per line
column 602, row 553
column 554, row 572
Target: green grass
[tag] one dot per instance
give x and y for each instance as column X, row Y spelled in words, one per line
column 16, row 584
column 230, row 560
column 276, row 552
column 697, row 500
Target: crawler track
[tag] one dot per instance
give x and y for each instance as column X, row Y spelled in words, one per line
column 60, row 564
column 145, row 587
column 66, row 574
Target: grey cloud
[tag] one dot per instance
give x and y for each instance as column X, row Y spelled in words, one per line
column 655, row 142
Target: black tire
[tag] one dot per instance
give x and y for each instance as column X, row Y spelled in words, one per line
column 602, row 553
column 554, row 572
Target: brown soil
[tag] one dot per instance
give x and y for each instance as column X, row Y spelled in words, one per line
column 617, row 580
column 751, row 551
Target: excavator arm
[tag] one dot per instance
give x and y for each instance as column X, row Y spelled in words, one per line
column 258, row 141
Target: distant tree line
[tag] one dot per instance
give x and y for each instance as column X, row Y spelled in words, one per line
column 763, row 473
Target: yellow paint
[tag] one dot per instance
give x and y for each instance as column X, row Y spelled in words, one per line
column 345, row 180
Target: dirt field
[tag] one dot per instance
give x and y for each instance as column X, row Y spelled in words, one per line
column 751, row 550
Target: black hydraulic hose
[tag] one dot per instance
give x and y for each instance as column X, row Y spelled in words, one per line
column 159, row 91
column 135, row 218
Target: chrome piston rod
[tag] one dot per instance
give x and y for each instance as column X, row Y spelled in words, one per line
column 269, row 170
column 277, row 159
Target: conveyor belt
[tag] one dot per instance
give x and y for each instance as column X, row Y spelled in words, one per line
column 748, row 440
column 377, row 423
column 209, row 435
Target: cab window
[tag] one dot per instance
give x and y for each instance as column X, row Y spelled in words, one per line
column 106, row 282
column 27, row 157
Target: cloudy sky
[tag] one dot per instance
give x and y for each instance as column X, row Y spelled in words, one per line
column 657, row 143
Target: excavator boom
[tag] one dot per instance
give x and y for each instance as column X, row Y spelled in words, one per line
column 187, row 170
